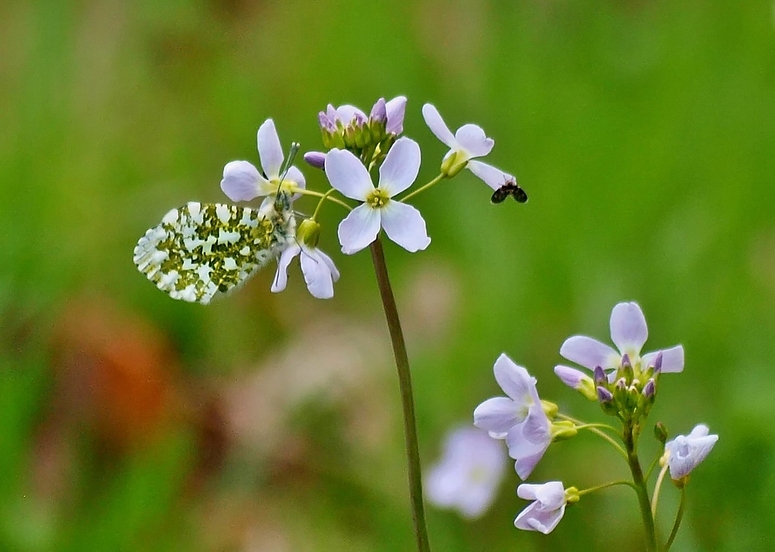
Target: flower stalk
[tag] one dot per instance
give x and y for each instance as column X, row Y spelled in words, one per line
column 407, row 398
column 631, row 444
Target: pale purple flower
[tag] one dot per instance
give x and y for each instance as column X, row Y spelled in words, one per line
column 547, row 508
column 629, row 333
column 499, row 414
column 468, row 474
column 242, row 181
column 319, row 270
column 684, row 453
column 468, row 142
column 402, row 223
column 529, row 440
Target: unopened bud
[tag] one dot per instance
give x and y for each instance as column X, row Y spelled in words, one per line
column 660, row 432
column 599, row 375
column 315, row 158
column 308, row 233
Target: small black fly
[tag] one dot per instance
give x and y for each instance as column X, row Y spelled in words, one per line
column 509, row 188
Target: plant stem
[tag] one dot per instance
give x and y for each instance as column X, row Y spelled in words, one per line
column 407, row 399
column 678, row 517
column 631, row 443
column 423, row 188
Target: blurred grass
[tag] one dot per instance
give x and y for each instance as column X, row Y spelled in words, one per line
column 642, row 131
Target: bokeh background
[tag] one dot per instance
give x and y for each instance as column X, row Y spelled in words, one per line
column 643, row 131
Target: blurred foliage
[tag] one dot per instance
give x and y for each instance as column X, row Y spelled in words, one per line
column 642, row 131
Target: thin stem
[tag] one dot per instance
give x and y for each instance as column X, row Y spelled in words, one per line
column 630, row 443
column 320, row 203
column 594, row 429
column 407, row 399
column 423, row 188
column 605, row 486
column 678, row 517
column 304, row 191
column 657, row 488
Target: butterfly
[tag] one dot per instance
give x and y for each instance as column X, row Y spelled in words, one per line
column 202, row 250
column 509, row 188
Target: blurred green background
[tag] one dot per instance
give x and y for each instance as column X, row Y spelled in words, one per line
column 644, row 133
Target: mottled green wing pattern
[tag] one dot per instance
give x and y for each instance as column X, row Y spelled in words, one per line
column 201, row 250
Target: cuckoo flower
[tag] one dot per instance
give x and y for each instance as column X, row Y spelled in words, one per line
column 499, row 414
column 548, row 506
column 242, row 181
column 402, row 223
column 469, row 473
column 629, row 333
column 684, row 453
column 319, row 270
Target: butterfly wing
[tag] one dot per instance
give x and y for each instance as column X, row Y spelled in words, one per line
column 201, row 250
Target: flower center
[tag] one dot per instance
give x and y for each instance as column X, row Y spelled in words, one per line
column 378, row 199
column 286, row 186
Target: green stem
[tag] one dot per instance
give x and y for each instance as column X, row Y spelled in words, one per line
column 605, row 486
column 594, row 429
column 323, row 196
column 657, row 489
column 678, row 517
column 320, row 203
column 423, row 188
column 407, row 399
column 630, row 443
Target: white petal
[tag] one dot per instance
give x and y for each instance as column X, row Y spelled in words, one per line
column 317, row 274
column 348, row 175
column 400, row 167
column 281, row 276
column 589, row 352
column 493, row 177
column 570, row 376
column 438, row 127
column 515, row 380
column 404, row 225
column 700, row 430
column 628, row 328
column 242, row 181
column 346, row 113
column 473, row 140
column 269, row 149
column 359, row 228
column 498, row 415
column 395, row 115
column 672, row 359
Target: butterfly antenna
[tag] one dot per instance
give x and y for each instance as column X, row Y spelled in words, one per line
column 288, row 162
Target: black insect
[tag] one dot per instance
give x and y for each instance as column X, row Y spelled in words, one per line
column 509, row 188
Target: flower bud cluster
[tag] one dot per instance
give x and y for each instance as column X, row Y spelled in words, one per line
column 630, row 391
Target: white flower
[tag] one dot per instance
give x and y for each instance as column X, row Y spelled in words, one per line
column 684, row 453
column 319, row 270
column 546, row 510
column 469, row 473
column 392, row 113
column 629, row 333
column 402, row 223
column 468, row 142
column 499, row 414
column 242, row 181
column 518, row 418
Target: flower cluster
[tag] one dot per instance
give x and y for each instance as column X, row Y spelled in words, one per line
column 199, row 260
column 622, row 381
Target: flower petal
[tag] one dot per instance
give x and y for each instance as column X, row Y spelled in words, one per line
column 347, row 113
column 672, row 359
column 316, row 267
column 242, row 181
column 281, row 276
column 515, row 380
column 395, row 115
column 269, row 149
column 401, row 166
column 348, row 175
column 316, row 159
column 404, row 225
column 570, row 376
column 536, row 518
column 438, row 126
column 498, row 415
column 493, row 177
column 589, row 352
column 628, row 328
column 359, row 228
column 473, row 140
